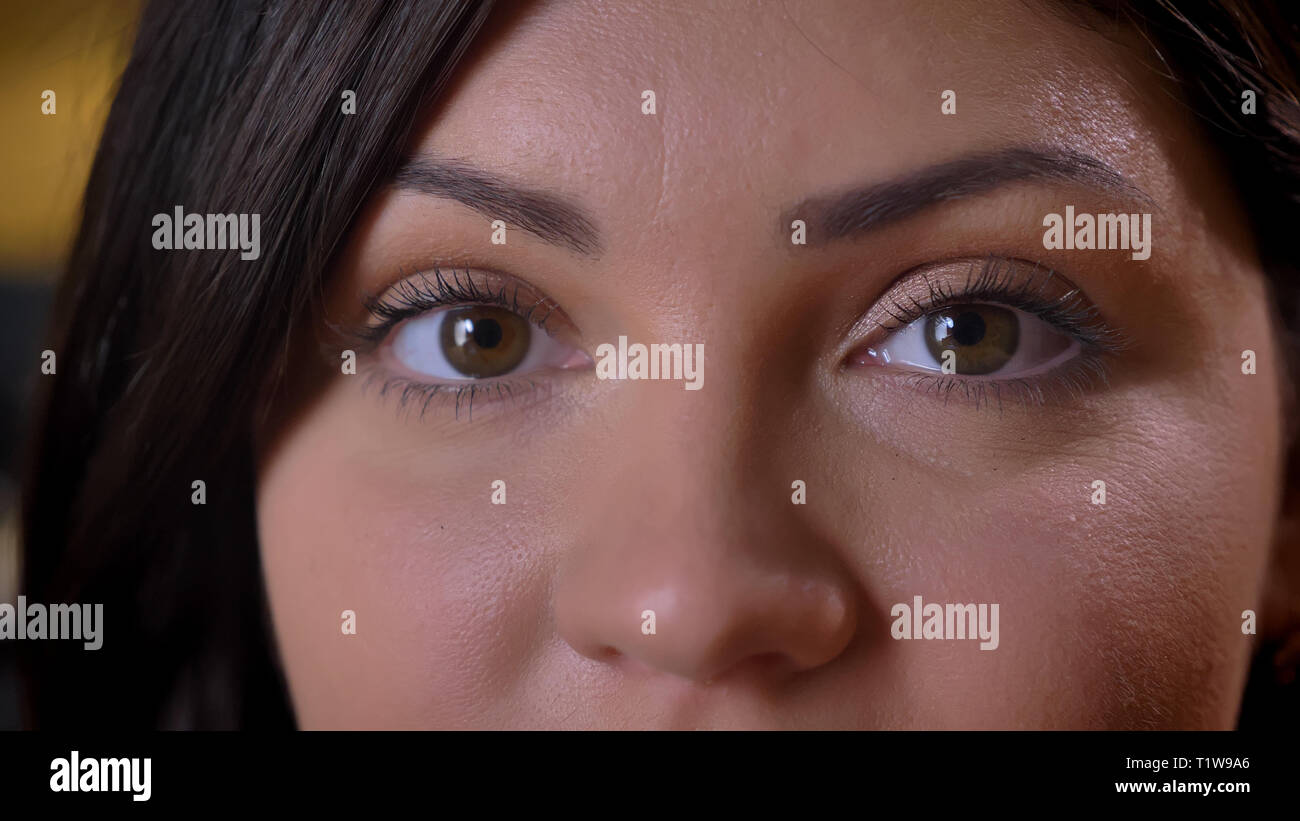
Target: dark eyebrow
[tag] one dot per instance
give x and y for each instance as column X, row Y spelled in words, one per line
column 543, row 215
column 850, row 213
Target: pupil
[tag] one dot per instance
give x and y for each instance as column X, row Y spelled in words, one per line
column 968, row 328
column 481, row 341
column 486, row 332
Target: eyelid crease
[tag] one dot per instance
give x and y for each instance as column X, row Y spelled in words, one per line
column 425, row 291
column 1042, row 292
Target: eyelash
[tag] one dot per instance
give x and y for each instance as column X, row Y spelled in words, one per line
column 424, row 292
column 422, row 394
column 996, row 282
column 414, row 296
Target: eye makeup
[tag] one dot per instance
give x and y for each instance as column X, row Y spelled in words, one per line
column 957, row 305
column 961, row 304
column 428, row 290
column 469, row 323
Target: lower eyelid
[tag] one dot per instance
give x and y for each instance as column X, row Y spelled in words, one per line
column 1069, row 381
column 413, row 399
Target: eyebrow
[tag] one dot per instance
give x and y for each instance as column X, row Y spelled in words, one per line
column 871, row 206
column 546, row 216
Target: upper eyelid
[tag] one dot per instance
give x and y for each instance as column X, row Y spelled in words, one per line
column 440, row 290
column 987, row 284
column 1045, row 293
column 431, row 289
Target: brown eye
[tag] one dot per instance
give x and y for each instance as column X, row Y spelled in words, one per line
column 467, row 342
column 482, row 341
column 978, row 339
column 983, row 338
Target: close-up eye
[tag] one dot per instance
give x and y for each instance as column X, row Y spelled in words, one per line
column 988, row 321
column 459, row 327
column 467, row 342
column 976, row 339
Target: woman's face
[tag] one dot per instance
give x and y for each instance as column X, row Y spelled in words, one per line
column 499, row 517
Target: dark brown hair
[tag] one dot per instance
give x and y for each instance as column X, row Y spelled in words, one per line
column 223, row 107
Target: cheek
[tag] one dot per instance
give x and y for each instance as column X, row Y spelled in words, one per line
column 446, row 601
column 1122, row 614
column 1125, row 615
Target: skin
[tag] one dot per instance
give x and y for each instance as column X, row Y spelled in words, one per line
column 632, row 495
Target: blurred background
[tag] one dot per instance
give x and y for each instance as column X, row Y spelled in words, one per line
column 77, row 49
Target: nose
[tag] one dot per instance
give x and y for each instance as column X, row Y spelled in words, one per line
column 692, row 568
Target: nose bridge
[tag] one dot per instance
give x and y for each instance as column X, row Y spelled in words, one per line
column 679, row 542
column 672, row 478
column 690, row 428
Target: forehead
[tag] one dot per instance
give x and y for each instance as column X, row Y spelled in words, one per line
column 769, row 98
